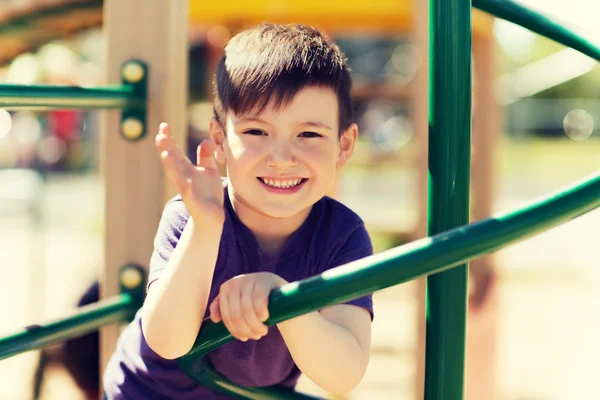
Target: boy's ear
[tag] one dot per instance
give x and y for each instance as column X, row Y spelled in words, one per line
column 347, row 142
column 217, row 134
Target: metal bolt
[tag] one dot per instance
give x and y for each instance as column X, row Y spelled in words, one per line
column 132, row 72
column 131, row 278
column 132, row 128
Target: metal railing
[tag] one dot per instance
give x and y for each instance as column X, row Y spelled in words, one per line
column 130, row 97
column 84, row 320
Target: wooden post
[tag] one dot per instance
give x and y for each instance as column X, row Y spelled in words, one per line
column 419, row 111
column 154, row 31
column 482, row 338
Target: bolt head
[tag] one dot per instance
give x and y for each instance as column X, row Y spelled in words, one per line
column 132, row 128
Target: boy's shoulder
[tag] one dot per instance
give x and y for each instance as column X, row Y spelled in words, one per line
column 334, row 210
column 337, row 221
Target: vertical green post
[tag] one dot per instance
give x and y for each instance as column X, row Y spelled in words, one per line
column 449, row 170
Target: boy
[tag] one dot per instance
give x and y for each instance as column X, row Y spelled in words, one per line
column 283, row 125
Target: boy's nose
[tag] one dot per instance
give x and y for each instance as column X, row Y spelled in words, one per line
column 281, row 156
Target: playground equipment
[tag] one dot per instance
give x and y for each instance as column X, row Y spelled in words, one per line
column 134, row 202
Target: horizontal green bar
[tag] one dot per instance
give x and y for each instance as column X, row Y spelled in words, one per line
column 211, row 378
column 422, row 257
column 54, row 97
column 86, row 319
column 538, row 23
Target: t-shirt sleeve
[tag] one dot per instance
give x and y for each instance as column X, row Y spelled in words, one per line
column 356, row 247
column 170, row 228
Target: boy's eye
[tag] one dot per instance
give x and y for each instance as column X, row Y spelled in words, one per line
column 310, row 134
column 255, row 132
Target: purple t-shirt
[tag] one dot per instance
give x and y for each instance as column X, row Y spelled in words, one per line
column 332, row 235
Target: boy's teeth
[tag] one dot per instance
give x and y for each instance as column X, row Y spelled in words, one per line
column 281, row 183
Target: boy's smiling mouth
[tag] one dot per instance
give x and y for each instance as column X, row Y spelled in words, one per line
column 287, row 185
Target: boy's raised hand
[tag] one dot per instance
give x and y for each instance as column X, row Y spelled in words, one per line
column 199, row 185
column 242, row 304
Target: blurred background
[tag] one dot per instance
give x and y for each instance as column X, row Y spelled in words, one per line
column 534, row 333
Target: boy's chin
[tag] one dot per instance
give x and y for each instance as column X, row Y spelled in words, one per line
column 285, row 212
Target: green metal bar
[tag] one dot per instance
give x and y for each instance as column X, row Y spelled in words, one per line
column 449, row 172
column 212, row 378
column 538, row 23
column 53, row 97
column 84, row 320
column 422, row 257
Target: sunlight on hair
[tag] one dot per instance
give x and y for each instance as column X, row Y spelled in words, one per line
column 578, row 125
column 5, row 123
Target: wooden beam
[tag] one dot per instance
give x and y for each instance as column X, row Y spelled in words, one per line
column 420, row 120
column 155, row 32
column 482, row 339
column 382, row 90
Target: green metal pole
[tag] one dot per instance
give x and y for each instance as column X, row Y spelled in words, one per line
column 84, row 320
column 449, row 170
column 53, row 97
column 538, row 23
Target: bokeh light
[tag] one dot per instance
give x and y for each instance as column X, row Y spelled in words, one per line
column 578, row 124
column 515, row 40
column 51, row 150
column 24, row 70
column 60, row 62
column 5, row 123
column 393, row 134
column 27, row 128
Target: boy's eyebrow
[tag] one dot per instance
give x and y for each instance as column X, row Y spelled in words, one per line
column 251, row 118
column 316, row 124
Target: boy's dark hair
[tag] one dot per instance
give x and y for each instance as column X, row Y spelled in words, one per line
column 274, row 62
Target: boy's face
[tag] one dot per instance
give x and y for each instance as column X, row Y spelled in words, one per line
column 281, row 162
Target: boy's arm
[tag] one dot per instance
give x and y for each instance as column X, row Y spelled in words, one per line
column 176, row 303
column 331, row 347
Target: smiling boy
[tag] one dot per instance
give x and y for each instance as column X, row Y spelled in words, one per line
column 283, row 125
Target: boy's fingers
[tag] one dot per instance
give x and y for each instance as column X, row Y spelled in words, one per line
column 237, row 317
column 215, row 312
column 261, row 303
column 231, row 317
column 164, row 129
column 250, row 314
column 205, row 154
column 172, row 168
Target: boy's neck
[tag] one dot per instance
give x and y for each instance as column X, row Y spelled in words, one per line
column 271, row 233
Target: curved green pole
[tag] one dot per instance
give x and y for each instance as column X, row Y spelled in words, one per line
column 85, row 320
column 401, row 264
column 212, row 378
column 538, row 23
column 448, row 191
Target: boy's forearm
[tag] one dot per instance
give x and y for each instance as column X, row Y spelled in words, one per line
column 176, row 303
column 325, row 352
